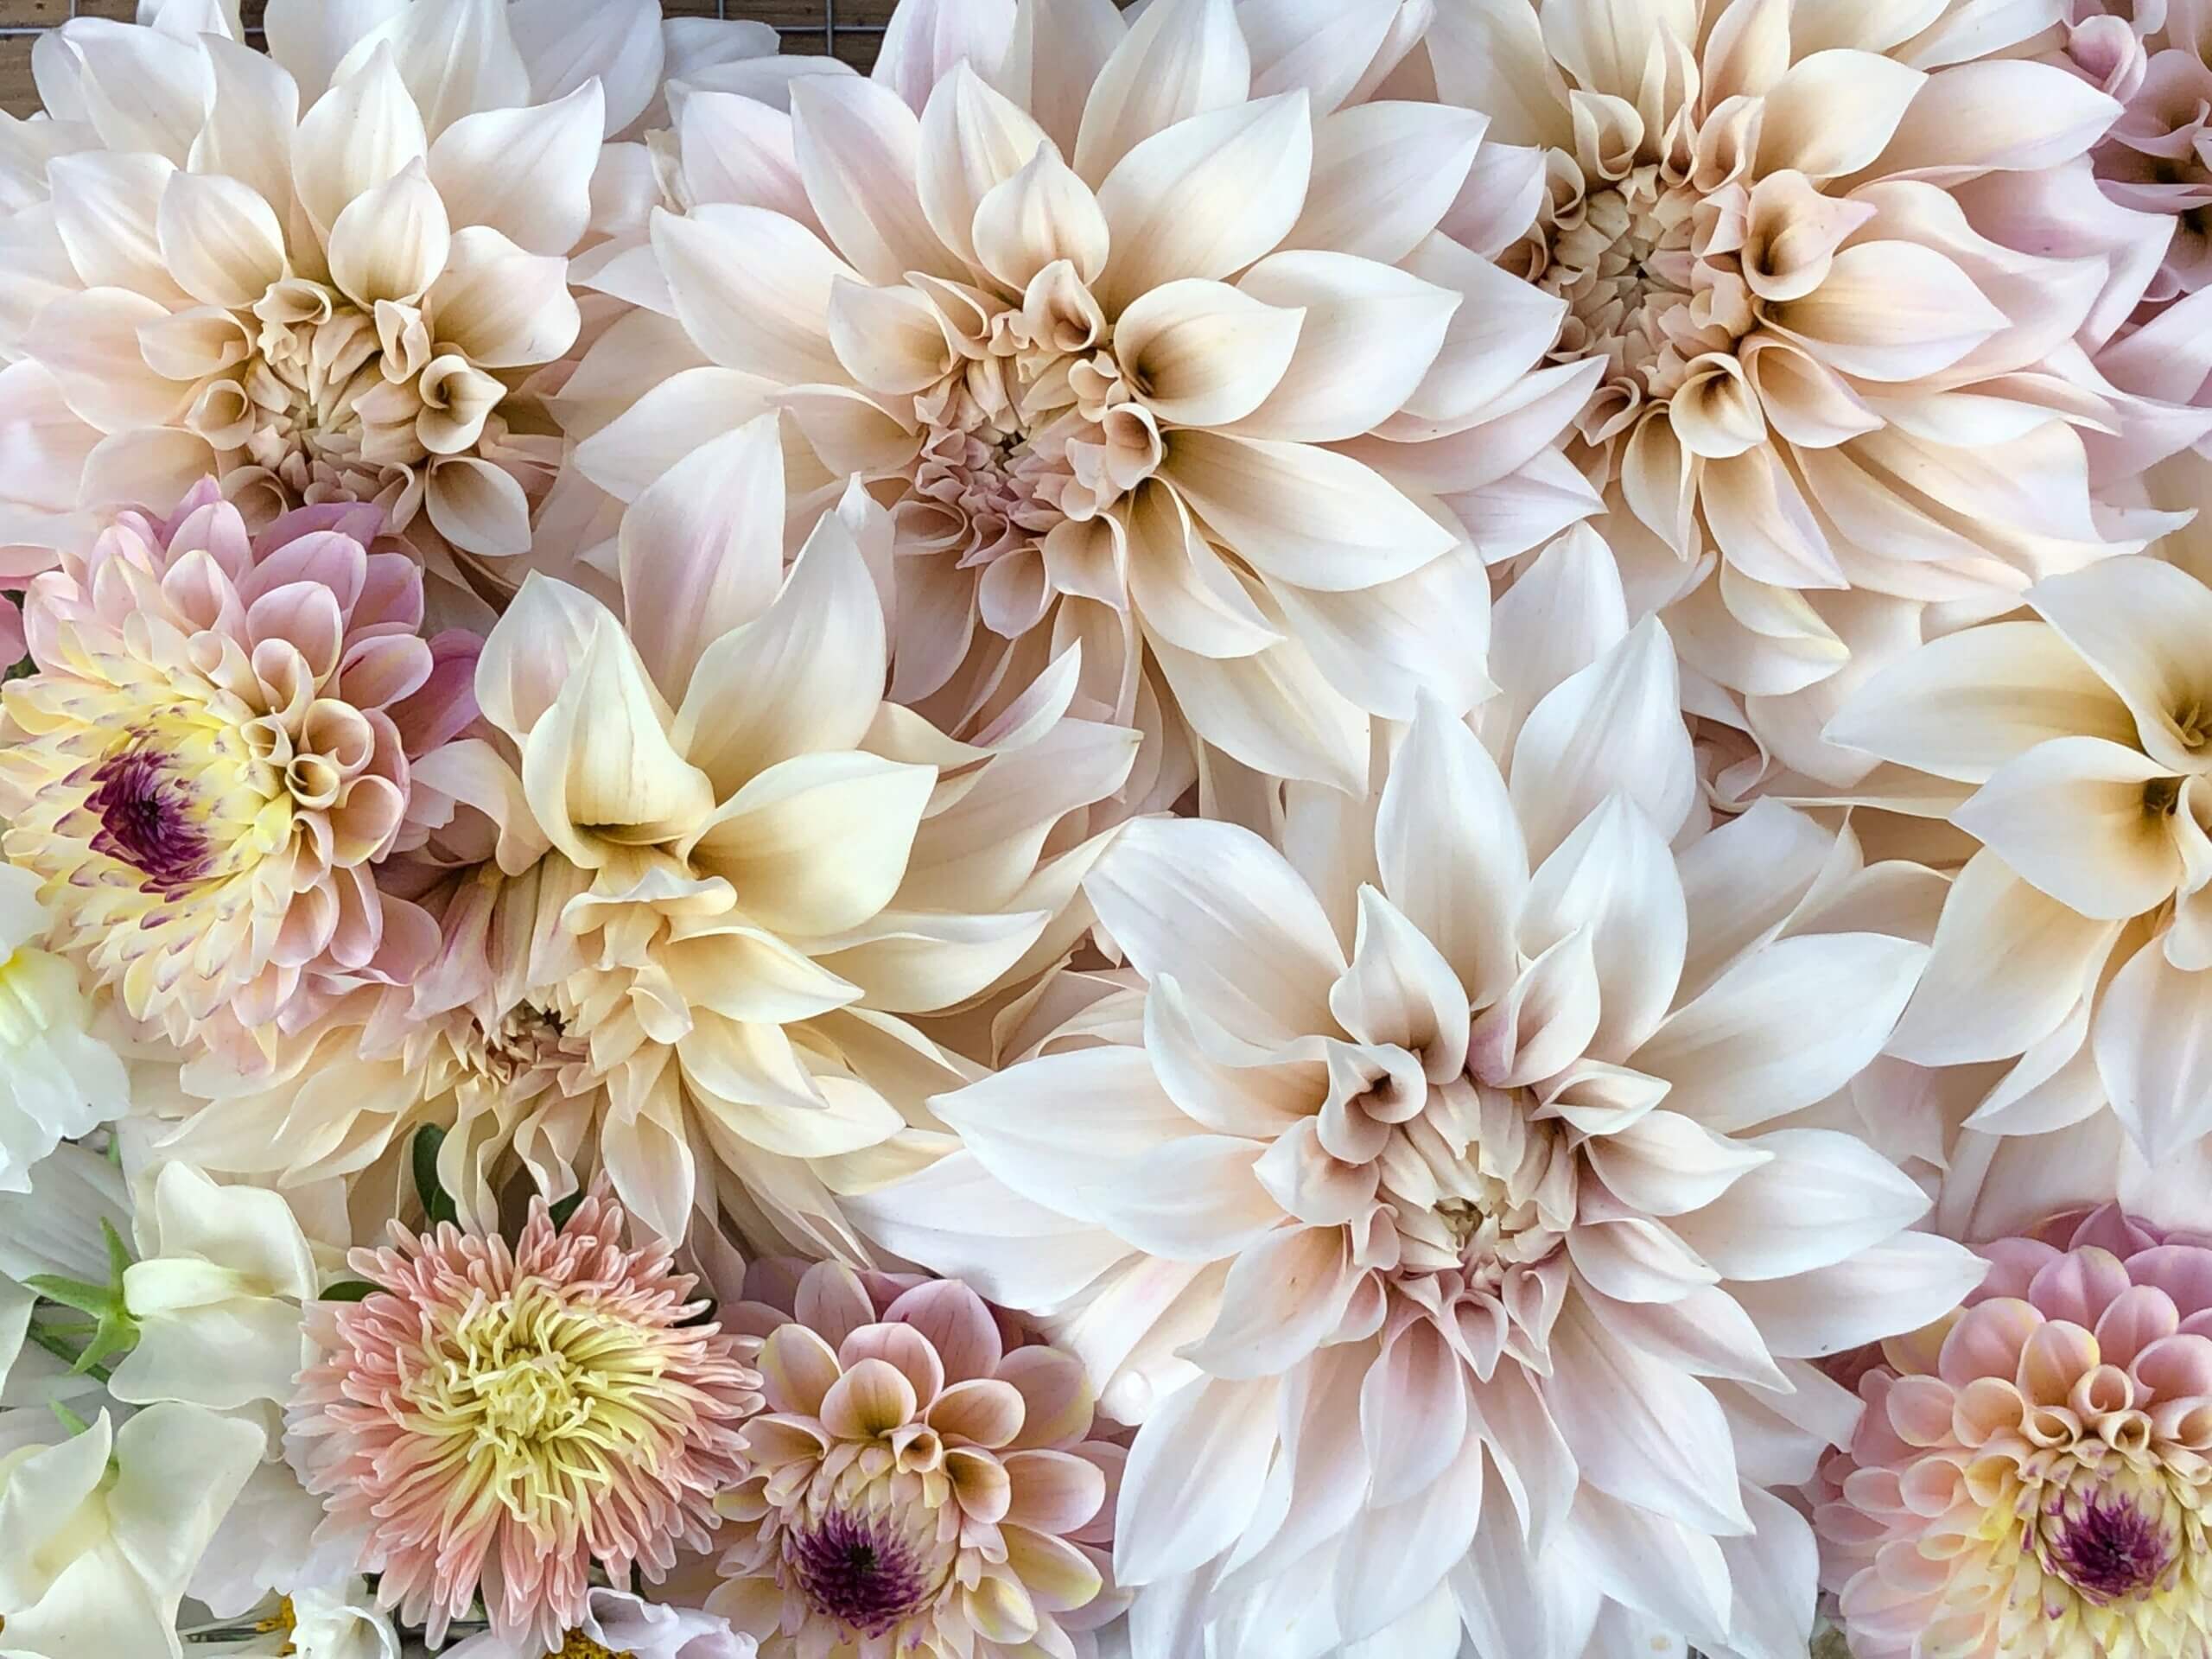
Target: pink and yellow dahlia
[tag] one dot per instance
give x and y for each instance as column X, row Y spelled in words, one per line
column 214, row 757
column 498, row 1421
column 926, row 1482
column 2029, row 1480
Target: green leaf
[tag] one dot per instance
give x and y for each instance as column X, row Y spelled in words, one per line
column 119, row 1255
column 561, row 1209
column 349, row 1290
column 437, row 1203
column 96, row 1299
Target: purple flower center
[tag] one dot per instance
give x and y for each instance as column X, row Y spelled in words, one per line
column 145, row 820
column 2111, row 1549
column 859, row 1571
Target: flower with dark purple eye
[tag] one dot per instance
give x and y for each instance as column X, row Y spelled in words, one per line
column 858, row 1570
column 146, row 819
column 2105, row 1546
column 2028, row 1479
column 919, row 1488
column 212, row 756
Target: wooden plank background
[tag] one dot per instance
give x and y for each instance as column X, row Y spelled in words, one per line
column 851, row 28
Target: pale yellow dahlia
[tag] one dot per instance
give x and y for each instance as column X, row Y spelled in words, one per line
column 723, row 877
column 1842, row 267
column 212, row 759
column 331, row 274
column 1149, row 335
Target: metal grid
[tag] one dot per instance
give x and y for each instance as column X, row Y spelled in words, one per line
column 832, row 35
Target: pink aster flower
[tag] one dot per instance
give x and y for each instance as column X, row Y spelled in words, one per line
column 926, row 1483
column 2029, row 1478
column 499, row 1420
column 215, row 755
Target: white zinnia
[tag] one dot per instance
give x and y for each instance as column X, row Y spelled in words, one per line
column 1429, row 1191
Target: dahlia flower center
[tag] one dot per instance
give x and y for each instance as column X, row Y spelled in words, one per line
column 147, row 820
column 1035, row 424
column 855, row 1567
column 2109, row 1540
column 526, row 1039
column 1468, row 1203
column 1623, row 263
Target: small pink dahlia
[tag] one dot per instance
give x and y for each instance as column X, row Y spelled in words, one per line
column 212, row 760
column 927, row 1482
column 502, row 1421
column 2030, row 1478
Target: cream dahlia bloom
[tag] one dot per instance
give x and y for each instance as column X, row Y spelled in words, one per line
column 1842, row 266
column 1422, row 1187
column 212, row 759
column 725, row 879
column 1148, row 336
column 501, row 1419
column 333, row 273
column 2029, row 1479
column 2071, row 744
column 925, row 1481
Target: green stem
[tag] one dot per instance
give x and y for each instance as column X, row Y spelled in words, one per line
column 61, row 1350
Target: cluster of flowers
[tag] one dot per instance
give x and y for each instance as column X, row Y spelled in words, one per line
column 1258, row 829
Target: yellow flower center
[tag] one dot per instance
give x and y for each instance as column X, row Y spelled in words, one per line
column 283, row 1619
column 580, row 1646
column 537, row 1395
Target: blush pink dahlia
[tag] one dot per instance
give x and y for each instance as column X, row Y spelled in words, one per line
column 924, row 1483
column 2030, row 1476
column 214, row 756
column 500, row 1421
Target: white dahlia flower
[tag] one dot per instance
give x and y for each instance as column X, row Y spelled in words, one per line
column 1151, row 334
column 1422, row 1189
column 335, row 272
column 1844, row 268
column 708, row 879
column 2076, row 944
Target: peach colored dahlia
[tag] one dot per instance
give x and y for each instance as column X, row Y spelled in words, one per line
column 2029, row 1480
column 925, row 1481
column 214, row 757
column 498, row 1421
column 1149, row 332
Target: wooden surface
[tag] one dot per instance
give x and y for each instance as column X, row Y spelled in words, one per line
column 850, row 27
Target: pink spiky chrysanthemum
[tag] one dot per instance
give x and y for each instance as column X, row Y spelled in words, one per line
column 2030, row 1478
column 502, row 1420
